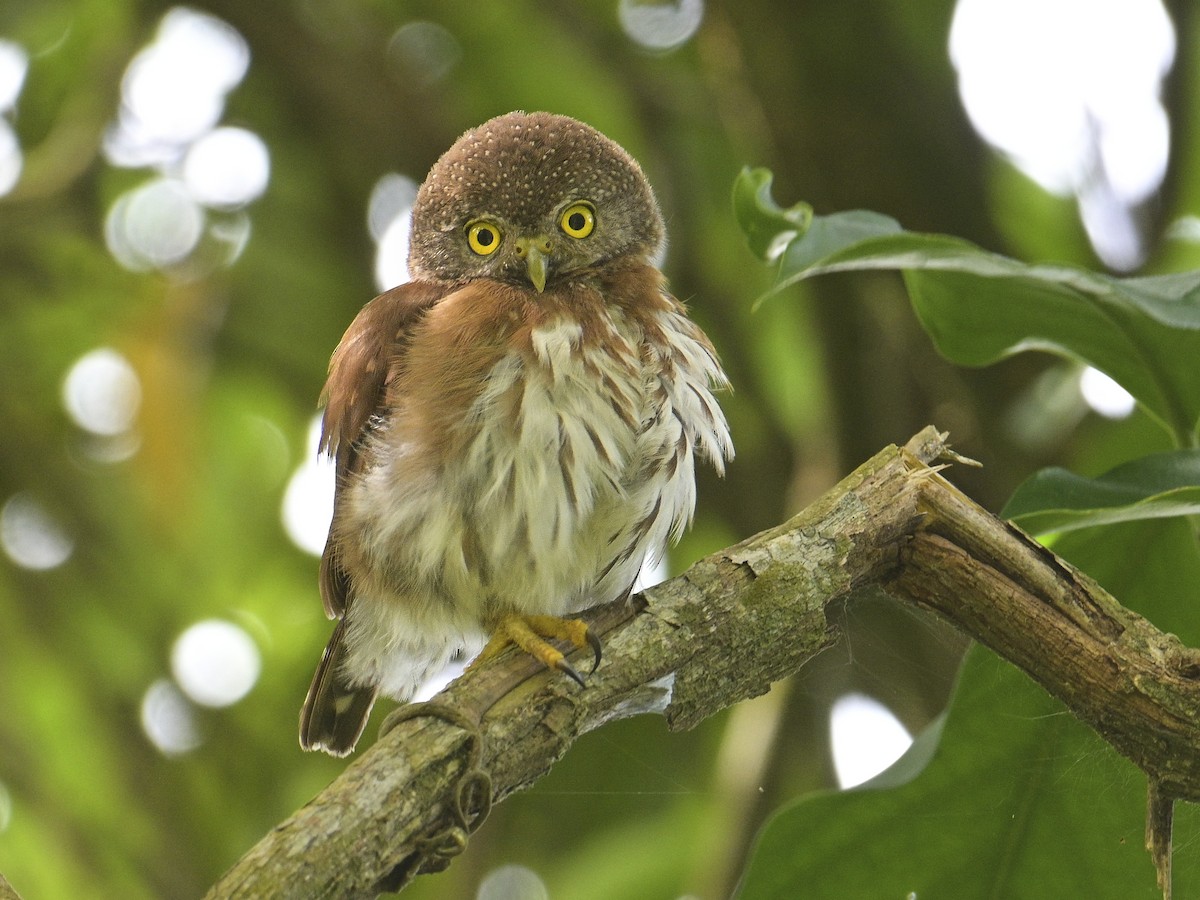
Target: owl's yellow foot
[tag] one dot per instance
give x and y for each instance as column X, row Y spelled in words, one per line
column 530, row 634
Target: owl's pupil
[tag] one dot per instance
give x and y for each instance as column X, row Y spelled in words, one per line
column 576, row 221
column 485, row 238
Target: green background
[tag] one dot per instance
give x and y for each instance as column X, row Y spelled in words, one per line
column 851, row 105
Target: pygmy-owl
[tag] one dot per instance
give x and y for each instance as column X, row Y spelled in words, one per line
column 514, row 430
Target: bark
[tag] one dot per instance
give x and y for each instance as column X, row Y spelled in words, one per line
column 722, row 632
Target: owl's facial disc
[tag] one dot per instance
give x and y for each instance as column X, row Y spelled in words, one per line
column 554, row 244
column 560, row 248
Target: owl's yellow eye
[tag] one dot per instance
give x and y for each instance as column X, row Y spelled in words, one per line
column 483, row 238
column 578, row 220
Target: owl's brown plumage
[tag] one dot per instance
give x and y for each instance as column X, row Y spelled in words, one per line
column 513, row 430
column 521, row 167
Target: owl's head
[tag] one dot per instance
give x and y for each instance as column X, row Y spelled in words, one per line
column 531, row 197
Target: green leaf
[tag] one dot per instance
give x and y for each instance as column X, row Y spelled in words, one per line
column 1171, row 299
column 1021, row 800
column 980, row 307
column 977, row 321
column 880, row 243
column 768, row 226
column 1152, row 566
column 1153, row 487
column 828, row 236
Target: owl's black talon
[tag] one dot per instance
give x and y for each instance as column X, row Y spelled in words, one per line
column 567, row 669
column 597, row 649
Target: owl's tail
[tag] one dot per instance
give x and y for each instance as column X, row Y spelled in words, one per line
column 334, row 712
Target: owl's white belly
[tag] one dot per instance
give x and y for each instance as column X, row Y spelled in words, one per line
column 576, row 465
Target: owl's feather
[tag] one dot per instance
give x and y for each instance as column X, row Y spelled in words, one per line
column 364, row 362
column 360, row 369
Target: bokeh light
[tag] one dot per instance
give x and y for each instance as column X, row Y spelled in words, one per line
column 32, row 538
column 391, row 254
column 227, row 168
column 14, row 63
column 423, row 53
column 389, row 218
column 229, row 235
column 1069, row 90
column 1105, row 396
column 174, row 89
column 865, row 738
column 173, row 97
column 215, row 662
column 308, row 499
column 102, row 392
column 512, row 882
column 168, row 719
column 658, row 25
column 12, row 161
column 652, row 572
column 153, row 226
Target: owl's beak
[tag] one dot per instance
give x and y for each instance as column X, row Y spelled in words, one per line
column 535, row 252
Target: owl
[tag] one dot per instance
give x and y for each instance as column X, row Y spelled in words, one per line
column 514, row 430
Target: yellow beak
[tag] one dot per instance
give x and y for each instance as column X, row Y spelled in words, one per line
column 535, row 251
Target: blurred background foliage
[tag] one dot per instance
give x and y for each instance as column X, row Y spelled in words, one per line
column 196, row 201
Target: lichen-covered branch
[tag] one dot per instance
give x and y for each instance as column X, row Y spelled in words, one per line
column 6, row 890
column 723, row 632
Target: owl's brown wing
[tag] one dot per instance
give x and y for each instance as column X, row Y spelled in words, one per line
column 363, row 364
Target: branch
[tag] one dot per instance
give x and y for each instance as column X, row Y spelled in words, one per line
column 723, row 632
column 6, row 890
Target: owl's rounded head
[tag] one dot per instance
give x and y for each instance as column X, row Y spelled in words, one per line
column 531, row 198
